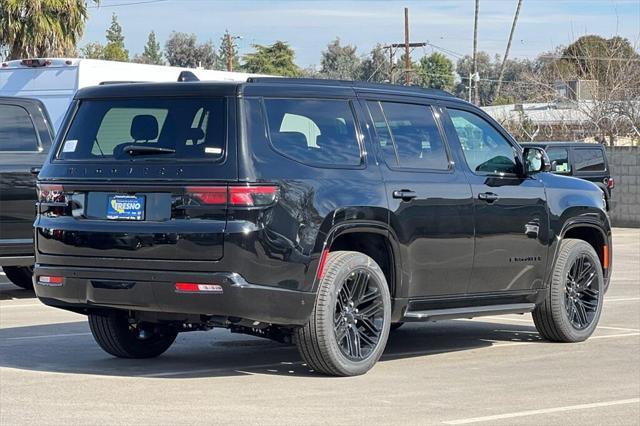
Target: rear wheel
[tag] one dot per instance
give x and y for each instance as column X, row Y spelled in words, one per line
column 572, row 307
column 348, row 329
column 118, row 337
column 20, row 275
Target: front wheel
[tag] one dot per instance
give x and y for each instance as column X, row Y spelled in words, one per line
column 348, row 329
column 572, row 307
column 117, row 336
column 20, row 275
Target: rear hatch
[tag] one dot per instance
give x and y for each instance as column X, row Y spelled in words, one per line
column 140, row 178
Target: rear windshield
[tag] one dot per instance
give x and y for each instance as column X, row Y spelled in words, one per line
column 152, row 128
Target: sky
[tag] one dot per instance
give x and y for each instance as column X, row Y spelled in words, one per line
column 309, row 26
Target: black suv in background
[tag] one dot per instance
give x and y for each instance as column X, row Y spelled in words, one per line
column 25, row 139
column 308, row 211
column 583, row 160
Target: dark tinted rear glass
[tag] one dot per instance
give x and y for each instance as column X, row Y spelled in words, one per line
column 588, row 160
column 314, row 131
column 182, row 128
column 16, row 129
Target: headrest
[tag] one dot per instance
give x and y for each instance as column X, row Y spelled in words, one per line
column 144, row 128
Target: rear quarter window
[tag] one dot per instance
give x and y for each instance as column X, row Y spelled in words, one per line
column 191, row 129
column 314, row 131
column 17, row 132
column 588, row 160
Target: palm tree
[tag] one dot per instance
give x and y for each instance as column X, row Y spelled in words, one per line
column 39, row 28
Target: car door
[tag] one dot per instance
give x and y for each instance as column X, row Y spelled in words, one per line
column 429, row 199
column 21, row 149
column 511, row 219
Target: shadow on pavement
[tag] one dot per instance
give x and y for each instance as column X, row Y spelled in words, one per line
column 10, row 292
column 70, row 348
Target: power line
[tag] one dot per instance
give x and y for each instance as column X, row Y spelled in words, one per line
column 126, row 4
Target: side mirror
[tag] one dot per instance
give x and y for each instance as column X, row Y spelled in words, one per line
column 535, row 160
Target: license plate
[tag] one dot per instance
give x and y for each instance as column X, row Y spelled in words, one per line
column 125, row 207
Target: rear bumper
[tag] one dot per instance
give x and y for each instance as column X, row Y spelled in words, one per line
column 154, row 291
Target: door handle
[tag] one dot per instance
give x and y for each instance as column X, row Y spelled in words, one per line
column 404, row 194
column 35, row 170
column 489, row 197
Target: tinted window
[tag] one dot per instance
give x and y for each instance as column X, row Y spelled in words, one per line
column 17, row 132
column 193, row 128
column 415, row 136
column 484, row 148
column 559, row 158
column 318, row 131
column 588, row 160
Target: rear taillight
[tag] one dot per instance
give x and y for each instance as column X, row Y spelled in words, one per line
column 51, row 194
column 611, row 183
column 208, row 195
column 50, row 280
column 250, row 196
column 238, row 196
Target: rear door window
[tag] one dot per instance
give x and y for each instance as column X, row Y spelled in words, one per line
column 314, row 131
column 17, row 132
column 559, row 158
column 588, row 160
column 166, row 128
column 408, row 136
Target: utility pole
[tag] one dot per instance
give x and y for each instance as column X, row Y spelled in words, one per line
column 506, row 53
column 407, row 45
column 475, row 49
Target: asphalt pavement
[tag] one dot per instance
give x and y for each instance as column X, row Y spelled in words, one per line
column 491, row 370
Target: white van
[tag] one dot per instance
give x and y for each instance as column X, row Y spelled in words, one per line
column 54, row 81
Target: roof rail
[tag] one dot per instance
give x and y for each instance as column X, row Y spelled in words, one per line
column 350, row 83
column 104, row 83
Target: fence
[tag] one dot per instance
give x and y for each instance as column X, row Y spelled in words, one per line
column 624, row 163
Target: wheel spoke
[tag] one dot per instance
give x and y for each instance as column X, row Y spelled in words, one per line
column 366, row 322
column 582, row 313
column 372, row 309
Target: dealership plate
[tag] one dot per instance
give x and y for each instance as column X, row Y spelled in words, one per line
column 125, row 207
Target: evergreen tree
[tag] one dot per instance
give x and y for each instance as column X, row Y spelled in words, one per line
column 152, row 53
column 277, row 59
column 114, row 49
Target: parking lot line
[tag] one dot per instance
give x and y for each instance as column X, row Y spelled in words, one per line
column 604, row 327
column 542, row 411
column 622, row 299
column 47, row 336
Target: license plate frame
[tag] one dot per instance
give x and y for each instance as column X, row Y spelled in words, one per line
column 125, row 207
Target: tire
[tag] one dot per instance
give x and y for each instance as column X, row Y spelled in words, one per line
column 573, row 304
column 20, row 276
column 116, row 336
column 353, row 301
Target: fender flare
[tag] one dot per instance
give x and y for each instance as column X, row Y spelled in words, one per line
column 325, row 241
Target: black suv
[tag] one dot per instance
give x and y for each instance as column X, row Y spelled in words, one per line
column 316, row 212
column 25, row 139
column 586, row 161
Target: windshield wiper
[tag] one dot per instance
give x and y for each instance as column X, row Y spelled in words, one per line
column 146, row 150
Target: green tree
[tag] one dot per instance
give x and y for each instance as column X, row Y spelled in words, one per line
column 183, row 50
column 92, row 51
column 435, row 71
column 152, row 53
column 41, row 28
column 375, row 67
column 114, row 49
column 228, row 49
column 340, row 62
column 277, row 59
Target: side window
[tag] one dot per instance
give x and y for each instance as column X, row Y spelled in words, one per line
column 17, row 132
column 559, row 158
column 588, row 160
column 314, row 131
column 408, row 136
column 484, row 148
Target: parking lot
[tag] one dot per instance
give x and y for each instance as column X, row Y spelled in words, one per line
column 491, row 370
